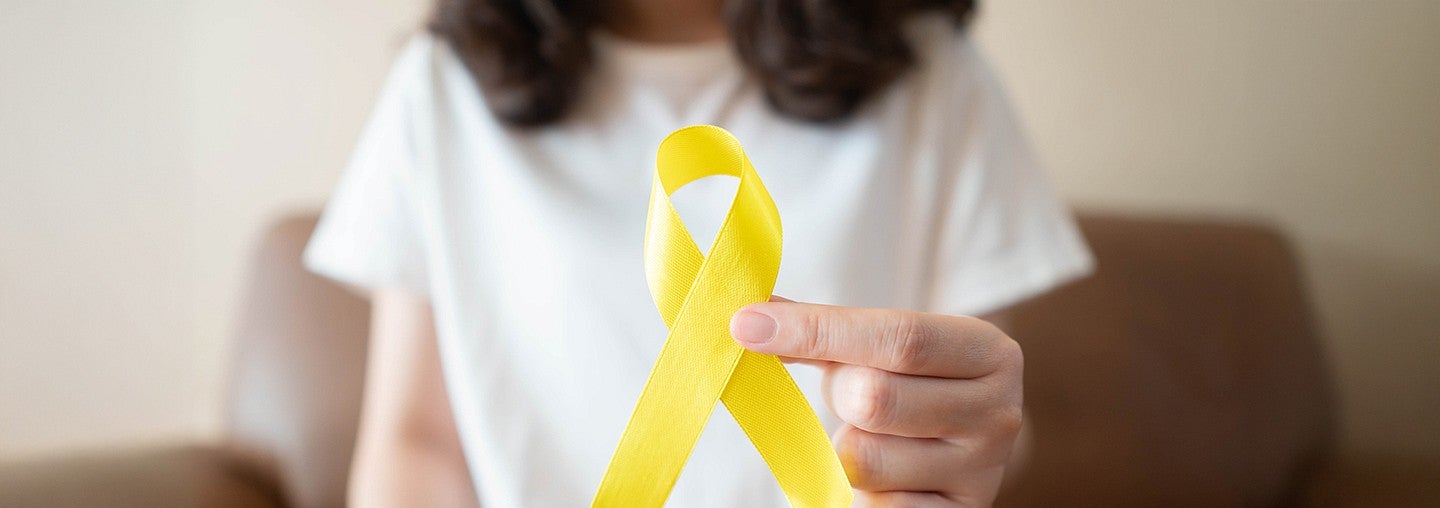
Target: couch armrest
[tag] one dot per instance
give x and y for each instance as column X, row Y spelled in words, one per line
column 161, row 477
column 1363, row 480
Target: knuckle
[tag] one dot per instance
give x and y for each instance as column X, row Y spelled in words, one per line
column 1011, row 354
column 986, row 345
column 907, row 340
column 907, row 499
column 1006, row 421
column 860, row 457
column 966, row 499
column 872, row 399
column 816, row 327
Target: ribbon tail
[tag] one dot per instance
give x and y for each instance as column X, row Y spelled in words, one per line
column 778, row 419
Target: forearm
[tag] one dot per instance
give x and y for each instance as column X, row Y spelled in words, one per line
column 408, row 452
column 401, row 470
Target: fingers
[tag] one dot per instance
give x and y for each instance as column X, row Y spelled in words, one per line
column 880, row 463
column 914, row 406
column 893, row 340
column 902, row 499
column 932, row 402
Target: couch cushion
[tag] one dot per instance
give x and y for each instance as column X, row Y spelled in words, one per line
column 160, row 477
column 1184, row 372
column 299, row 373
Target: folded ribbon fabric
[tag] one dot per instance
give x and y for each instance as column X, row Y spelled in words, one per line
column 700, row 363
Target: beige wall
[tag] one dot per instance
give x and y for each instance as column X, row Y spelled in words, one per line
column 1320, row 116
column 142, row 145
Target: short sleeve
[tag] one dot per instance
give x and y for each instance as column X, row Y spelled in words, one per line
column 1005, row 234
column 371, row 232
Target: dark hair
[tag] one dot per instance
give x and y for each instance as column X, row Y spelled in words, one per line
column 816, row 59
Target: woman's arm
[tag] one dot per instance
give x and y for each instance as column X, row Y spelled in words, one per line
column 408, row 450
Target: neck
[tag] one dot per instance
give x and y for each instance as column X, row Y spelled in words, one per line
column 668, row 21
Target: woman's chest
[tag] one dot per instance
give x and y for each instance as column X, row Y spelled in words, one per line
column 563, row 215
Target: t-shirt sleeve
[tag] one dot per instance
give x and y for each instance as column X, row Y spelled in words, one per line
column 370, row 234
column 1005, row 234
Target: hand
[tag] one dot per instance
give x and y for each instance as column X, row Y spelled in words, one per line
column 931, row 403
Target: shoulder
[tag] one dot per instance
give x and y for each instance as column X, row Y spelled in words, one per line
column 953, row 75
column 942, row 47
column 433, row 93
column 424, row 60
column 946, row 56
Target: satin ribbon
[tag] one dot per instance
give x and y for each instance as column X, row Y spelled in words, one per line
column 700, row 363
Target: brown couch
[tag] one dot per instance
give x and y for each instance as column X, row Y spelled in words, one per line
column 1186, row 372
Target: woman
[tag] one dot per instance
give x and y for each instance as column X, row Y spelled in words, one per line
column 495, row 206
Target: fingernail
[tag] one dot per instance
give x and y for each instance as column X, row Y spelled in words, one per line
column 752, row 327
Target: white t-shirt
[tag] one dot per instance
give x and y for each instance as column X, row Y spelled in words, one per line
column 528, row 243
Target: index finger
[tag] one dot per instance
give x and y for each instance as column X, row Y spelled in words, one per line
column 899, row 341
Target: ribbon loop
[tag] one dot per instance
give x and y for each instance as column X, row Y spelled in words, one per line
column 700, row 363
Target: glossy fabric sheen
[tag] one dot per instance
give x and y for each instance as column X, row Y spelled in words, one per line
column 696, row 295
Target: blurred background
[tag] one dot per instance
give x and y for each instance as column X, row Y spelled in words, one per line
column 145, row 144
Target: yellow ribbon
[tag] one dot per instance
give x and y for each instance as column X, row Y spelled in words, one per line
column 696, row 295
